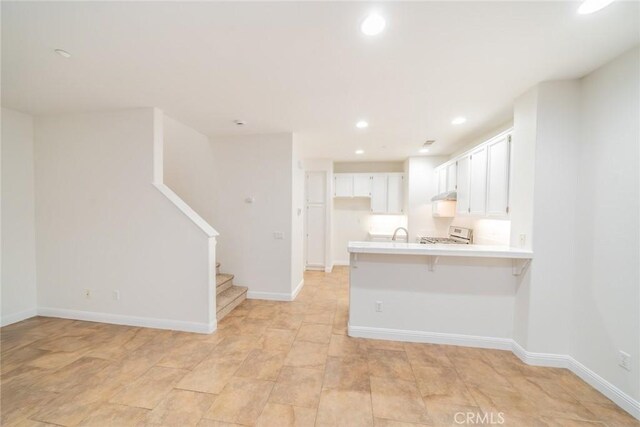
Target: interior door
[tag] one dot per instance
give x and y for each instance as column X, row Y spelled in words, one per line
column 315, row 220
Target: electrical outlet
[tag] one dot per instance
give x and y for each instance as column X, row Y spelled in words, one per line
column 625, row 360
column 116, row 295
column 87, row 293
column 278, row 235
column 378, row 306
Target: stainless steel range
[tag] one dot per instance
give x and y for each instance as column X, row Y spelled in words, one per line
column 457, row 235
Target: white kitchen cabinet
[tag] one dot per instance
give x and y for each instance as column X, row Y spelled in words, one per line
column 379, row 193
column 462, row 178
column 478, row 181
column 451, row 177
column 442, row 180
column 343, row 185
column 498, row 156
column 395, row 193
column 361, row 185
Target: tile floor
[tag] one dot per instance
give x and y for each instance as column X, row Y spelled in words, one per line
column 276, row 364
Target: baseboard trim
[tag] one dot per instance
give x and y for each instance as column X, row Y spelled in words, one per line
column 18, row 317
column 340, row 263
column 429, row 337
column 619, row 397
column 119, row 319
column 297, row 290
column 549, row 360
column 270, row 296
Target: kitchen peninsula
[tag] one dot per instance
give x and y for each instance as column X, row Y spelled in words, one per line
column 452, row 294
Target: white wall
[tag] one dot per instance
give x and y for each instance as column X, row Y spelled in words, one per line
column 606, row 293
column 18, row 218
column 297, row 217
column 258, row 167
column 101, row 225
column 189, row 167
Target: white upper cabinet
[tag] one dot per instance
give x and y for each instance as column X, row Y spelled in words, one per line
column 362, row 185
column 498, row 152
column 478, row 181
column 442, row 180
column 379, row 193
column 343, row 185
column 462, row 205
column 451, row 177
column 395, row 193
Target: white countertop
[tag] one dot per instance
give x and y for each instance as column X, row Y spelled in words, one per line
column 398, row 248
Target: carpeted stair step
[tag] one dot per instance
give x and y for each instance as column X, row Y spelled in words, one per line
column 223, row 282
column 229, row 299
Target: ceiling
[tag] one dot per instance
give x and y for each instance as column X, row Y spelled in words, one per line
column 305, row 67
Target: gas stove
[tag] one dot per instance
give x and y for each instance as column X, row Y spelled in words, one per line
column 457, row 235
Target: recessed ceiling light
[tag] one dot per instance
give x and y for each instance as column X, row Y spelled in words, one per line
column 424, row 150
column 362, row 124
column 239, row 122
column 359, row 151
column 458, row 121
column 63, row 53
column 590, row 6
column 374, row 24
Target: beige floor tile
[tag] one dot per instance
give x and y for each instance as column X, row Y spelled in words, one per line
column 56, row 360
column 427, row 355
column 64, row 344
column 442, row 386
column 241, row 401
column 383, row 422
column 344, row 408
column 73, row 374
column 385, row 345
column 180, row 408
column 347, row 374
column 275, row 414
column 211, row 375
column 398, row 400
column 186, row 355
column 580, row 389
column 215, row 423
column 112, row 415
column 19, row 403
column 262, row 365
column 278, row 339
column 305, row 354
column 446, row 414
column 324, row 317
column 150, row 388
column 389, row 363
column 298, row 387
column 611, row 415
column 263, row 312
column 287, row 321
column 314, row 333
column 346, row 346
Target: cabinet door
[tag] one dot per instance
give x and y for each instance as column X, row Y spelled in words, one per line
column 343, row 185
column 451, row 177
column 478, row 181
column 362, row 185
column 395, row 193
column 462, row 178
column 379, row 193
column 442, row 180
column 498, row 177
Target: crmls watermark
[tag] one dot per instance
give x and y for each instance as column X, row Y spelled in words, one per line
column 483, row 418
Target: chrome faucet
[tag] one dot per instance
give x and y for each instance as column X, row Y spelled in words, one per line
column 395, row 233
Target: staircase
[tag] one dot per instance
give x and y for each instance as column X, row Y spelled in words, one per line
column 228, row 295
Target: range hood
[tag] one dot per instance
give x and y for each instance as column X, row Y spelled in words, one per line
column 447, row 195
